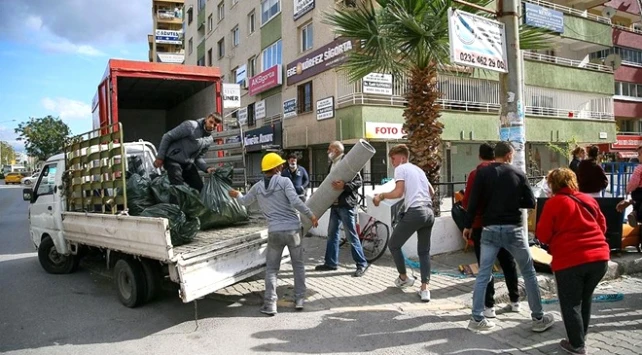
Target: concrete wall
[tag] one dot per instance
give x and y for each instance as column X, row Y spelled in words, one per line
column 148, row 125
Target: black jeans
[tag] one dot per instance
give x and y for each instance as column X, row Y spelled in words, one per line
column 179, row 174
column 575, row 287
column 507, row 262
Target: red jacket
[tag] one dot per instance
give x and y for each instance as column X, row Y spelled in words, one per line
column 573, row 234
column 477, row 223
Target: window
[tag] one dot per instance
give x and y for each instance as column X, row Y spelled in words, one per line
column 236, row 36
column 190, row 46
column 304, row 97
column 251, row 23
column 269, row 9
column 190, row 15
column 221, row 48
column 251, row 67
column 210, row 23
column 271, row 56
column 47, row 180
column 209, row 57
column 201, row 61
column 220, row 10
column 201, row 4
column 233, row 75
column 251, row 122
column 307, row 32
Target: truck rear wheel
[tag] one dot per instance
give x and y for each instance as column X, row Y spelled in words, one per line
column 53, row 262
column 129, row 279
column 152, row 278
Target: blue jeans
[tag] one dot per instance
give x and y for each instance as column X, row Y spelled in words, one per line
column 347, row 217
column 513, row 239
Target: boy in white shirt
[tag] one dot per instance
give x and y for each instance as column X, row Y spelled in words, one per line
column 411, row 183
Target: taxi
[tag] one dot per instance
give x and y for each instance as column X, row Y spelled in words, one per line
column 12, row 178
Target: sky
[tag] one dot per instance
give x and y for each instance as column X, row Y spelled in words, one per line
column 54, row 53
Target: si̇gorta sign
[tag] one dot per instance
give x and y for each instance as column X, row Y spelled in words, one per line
column 476, row 41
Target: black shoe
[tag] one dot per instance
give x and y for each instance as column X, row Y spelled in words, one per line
column 325, row 267
column 360, row 271
column 566, row 346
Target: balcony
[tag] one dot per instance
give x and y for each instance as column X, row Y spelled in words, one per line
column 571, row 11
column 567, row 62
column 170, row 16
column 630, row 37
column 482, row 96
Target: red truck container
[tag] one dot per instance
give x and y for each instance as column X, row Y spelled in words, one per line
column 151, row 98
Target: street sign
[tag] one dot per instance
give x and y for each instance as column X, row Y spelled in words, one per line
column 476, row 41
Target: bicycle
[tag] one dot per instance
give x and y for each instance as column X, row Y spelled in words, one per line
column 373, row 237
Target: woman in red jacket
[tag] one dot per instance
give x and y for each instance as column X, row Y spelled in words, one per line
column 573, row 226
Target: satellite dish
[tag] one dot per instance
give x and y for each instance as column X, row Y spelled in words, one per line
column 613, row 60
column 608, row 11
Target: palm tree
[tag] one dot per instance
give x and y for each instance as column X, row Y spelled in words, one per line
column 410, row 37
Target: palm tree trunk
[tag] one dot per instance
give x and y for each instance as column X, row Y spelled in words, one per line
column 423, row 126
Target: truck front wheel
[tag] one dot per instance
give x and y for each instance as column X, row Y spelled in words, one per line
column 53, row 262
column 129, row 279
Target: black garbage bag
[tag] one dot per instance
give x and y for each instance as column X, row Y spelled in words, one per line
column 459, row 215
column 188, row 200
column 182, row 230
column 223, row 210
column 139, row 194
column 160, row 189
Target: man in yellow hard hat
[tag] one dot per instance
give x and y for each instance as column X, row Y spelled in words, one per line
column 278, row 199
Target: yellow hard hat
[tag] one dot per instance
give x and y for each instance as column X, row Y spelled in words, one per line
column 271, row 161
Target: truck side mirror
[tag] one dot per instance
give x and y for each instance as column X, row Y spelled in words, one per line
column 27, row 195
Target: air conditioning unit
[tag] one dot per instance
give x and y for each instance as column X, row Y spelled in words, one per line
column 244, row 84
column 637, row 26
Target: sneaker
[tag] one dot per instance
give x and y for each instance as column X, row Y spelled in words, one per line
column 360, row 272
column 424, row 295
column 566, row 346
column 542, row 324
column 632, row 219
column 489, row 312
column 513, row 307
column 325, row 267
column 408, row 282
column 298, row 304
column 269, row 310
column 480, row 326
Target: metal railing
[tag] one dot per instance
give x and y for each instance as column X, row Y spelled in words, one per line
column 628, row 29
column 571, row 114
column 567, row 62
column 570, row 11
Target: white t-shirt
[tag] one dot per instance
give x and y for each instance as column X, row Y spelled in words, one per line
column 416, row 184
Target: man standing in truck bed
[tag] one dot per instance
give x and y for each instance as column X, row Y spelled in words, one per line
column 182, row 149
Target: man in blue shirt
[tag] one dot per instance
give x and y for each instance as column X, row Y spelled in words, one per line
column 298, row 175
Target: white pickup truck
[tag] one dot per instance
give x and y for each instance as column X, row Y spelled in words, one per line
column 138, row 249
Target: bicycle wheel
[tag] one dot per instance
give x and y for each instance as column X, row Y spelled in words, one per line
column 375, row 241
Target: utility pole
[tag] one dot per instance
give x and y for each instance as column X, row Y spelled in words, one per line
column 512, row 112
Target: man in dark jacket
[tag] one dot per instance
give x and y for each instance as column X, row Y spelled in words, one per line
column 298, row 175
column 343, row 212
column 590, row 174
column 182, row 149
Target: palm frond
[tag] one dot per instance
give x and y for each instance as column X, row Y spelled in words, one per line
column 534, row 38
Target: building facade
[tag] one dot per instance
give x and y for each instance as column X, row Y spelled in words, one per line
column 166, row 40
column 285, row 59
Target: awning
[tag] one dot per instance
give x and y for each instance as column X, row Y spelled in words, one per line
column 627, row 155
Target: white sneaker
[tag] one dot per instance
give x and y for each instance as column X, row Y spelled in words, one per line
column 513, row 307
column 490, row 312
column 409, row 281
column 424, row 295
column 480, row 326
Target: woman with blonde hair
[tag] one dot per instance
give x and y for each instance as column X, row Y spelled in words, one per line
column 573, row 226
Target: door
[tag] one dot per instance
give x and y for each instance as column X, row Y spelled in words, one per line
column 45, row 209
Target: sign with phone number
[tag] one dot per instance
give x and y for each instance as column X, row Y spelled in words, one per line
column 477, row 41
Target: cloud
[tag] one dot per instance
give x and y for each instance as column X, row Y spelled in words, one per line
column 68, row 47
column 81, row 25
column 67, row 109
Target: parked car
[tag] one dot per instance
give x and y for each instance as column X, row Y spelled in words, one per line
column 1, row 175
column 12, row 178
column 29, row 180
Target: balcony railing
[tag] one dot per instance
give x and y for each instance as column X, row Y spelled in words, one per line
column 629, row 29
column 567, row 62
column 170, row 15
column 570, row 11
column 479, row 95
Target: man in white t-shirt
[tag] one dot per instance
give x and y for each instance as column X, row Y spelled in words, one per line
column 411, row 183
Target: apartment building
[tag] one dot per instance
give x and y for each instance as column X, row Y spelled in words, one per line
column 166, row 40
column 285, row 59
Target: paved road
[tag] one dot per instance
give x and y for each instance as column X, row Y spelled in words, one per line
column 79, row 314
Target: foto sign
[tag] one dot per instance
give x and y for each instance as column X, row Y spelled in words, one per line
column 289, row 108
column 476, row 41
column 325, row 108
column 543, row 17
column 231, row 95
column 375, row 83
column 381, row 130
